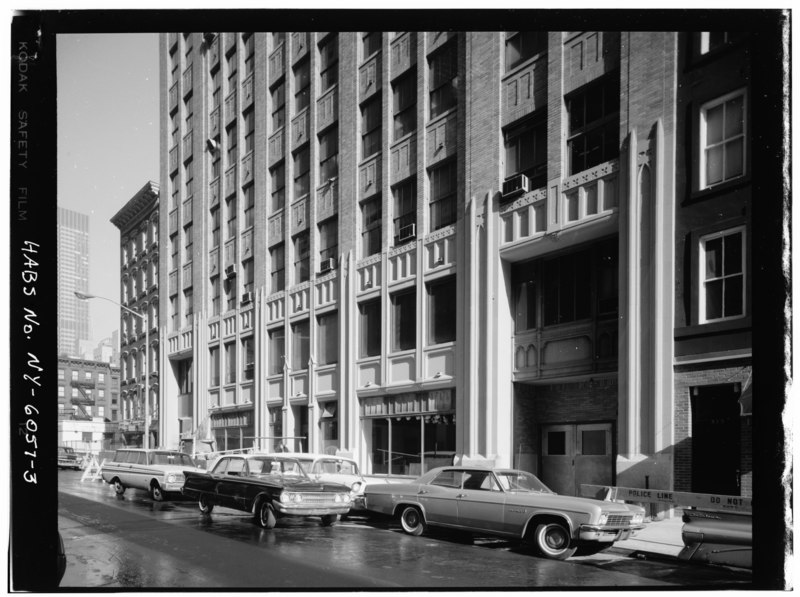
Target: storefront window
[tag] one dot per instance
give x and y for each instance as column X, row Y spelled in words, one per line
column 412, row 443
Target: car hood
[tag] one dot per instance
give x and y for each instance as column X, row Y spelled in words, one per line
column 571, row 502
column 340, row 479
column 321, row 486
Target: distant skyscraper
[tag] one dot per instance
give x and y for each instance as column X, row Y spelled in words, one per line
column 73, row 274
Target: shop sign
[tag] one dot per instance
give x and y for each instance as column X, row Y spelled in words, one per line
column 237, row 419
column 408, row 404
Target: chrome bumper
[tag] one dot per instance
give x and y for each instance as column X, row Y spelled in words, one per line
column 590, row 532
column 295, row 510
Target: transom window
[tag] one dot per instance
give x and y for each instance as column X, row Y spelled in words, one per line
column 722, row 275
column 722, row 139
column 521, row 45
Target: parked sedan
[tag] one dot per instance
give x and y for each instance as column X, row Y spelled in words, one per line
column 159, row 472
column 507, row 503
column 67, row 458
column 269, row 486
column 334, row 469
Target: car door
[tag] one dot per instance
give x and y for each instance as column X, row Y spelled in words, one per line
column 439, row 497
column 481, row 502
column 229, row 487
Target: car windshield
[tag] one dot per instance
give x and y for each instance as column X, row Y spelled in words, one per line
column 334, row 466
column 177, row 458
column 521, row 481
column 275, row 466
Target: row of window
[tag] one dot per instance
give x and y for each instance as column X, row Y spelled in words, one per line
column 441, row 329
column 139, row 281
column 87, row 375
column 138, row 244
column 101, row 393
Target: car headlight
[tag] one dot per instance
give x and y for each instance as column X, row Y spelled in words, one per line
column 355, row 487
column 603, row 518
column 171, row 478
column 285, row 497
column 638, row 518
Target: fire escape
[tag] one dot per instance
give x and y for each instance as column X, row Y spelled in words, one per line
column 84, row 399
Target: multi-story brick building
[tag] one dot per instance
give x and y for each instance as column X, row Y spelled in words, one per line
column 139, row 265
column 713, row 281
column 88, row 403
column 424, row 246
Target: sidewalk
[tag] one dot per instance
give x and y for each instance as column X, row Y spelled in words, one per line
column 659, row 537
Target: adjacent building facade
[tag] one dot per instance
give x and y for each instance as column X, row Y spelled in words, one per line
column 88, row 403
column 73, row 275
column 139, row 342
column 425, row 246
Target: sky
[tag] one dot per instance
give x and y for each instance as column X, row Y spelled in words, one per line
column 107, row 108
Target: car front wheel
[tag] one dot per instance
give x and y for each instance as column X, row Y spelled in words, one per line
column 265, row 516
column 156, row 493
column 552, row 541
column 205, row 505
column 119, row 488
column 412, row 521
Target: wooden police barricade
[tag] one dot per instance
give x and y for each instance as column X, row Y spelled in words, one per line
column 665, row 497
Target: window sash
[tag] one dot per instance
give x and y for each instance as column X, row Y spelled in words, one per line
column 328, row 339
column 371, row 43
column 370, row 329
column 300, row 345
column 277, row 268
column 371, row 219
column 442, row 312
column 723, row 276
column 277, row 348
column 723, row 138
column 404, row 320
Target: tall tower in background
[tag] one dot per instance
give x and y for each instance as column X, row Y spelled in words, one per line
column 73, row 275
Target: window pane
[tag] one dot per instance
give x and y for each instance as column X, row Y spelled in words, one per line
column 714, row 124
column 734, row 117
column 442, row 301
column 300, row 346
column 714, row 164
column 733, row 254
column 556, row 443
column 328, row 339
column 714, row 299
column 593, row 442
column 277, row 349
column 733, row 296
column 404, row 309
column 370, row 328
column 734, row 158
column 713, row 258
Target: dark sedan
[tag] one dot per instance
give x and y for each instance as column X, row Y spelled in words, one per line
column 268, row 486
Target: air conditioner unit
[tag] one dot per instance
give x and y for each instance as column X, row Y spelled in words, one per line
column 407, row 233
column 230, row 271
column 247, row 297
column 327, row 265
column 516, row 185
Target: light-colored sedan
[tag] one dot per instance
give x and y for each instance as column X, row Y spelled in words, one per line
column 334, row 469
column 156, row 471
column 508, row 503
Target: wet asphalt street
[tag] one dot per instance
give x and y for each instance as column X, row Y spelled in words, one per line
column 133, row 542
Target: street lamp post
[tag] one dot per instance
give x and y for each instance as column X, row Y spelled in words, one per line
column 85, row 296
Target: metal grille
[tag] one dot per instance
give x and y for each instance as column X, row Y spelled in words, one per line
column 619, row 520
column 318, row 498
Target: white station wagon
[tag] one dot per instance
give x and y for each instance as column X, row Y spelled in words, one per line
column 156, row 471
